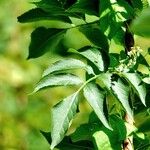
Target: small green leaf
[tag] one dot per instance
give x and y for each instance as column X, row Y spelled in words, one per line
column 96, row 36
column 121, row 92
column 135, row 81
column 96, row 98
column 57, row 80
column 43, row 39
column 67, row 64
column 85, row 6
column 38, row 14
column 62, row 114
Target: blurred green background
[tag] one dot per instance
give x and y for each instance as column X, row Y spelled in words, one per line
column 22, row 115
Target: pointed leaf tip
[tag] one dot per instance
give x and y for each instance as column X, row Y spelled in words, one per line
column 62, row 114
column 96, row 99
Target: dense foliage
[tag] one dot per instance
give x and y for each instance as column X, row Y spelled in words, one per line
column 112, row 84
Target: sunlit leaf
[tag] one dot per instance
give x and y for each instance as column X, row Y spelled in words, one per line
column 96, row 99
column 67, row 64
column 135, row 81
column 104, row 80
column 62, row 114
column 121, row 92
column 57, row 80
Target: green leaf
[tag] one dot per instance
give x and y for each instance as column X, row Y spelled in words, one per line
column 57, row 80
column 38, row 14
column 43, row 39
column 141, row 24
column 67, row 144
column 47, row 136
column 52, row 6
column 109, row 140
column 114, row 60
column 146, row 80
column 96, row 36
column 96, row 98
column 141, row 60
column 104, row 80
column 96, row 57
column 85, row 6
column 62, row 114
column 82, row 133
column 67, row 64
column 117, row 89
column 121, row 92
column 112, row 18
column 135, row 81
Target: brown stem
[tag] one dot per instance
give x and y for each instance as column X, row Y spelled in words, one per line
column 128, row 143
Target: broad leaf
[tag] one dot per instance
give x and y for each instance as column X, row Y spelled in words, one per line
column 62, row 114
column 38, row 14
column 121, row 92
column 86, row 6
column 135, row 81
column 96, row 98
column 57, row 80
column 67, row 64
column 96, row 36
column 43, row 39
